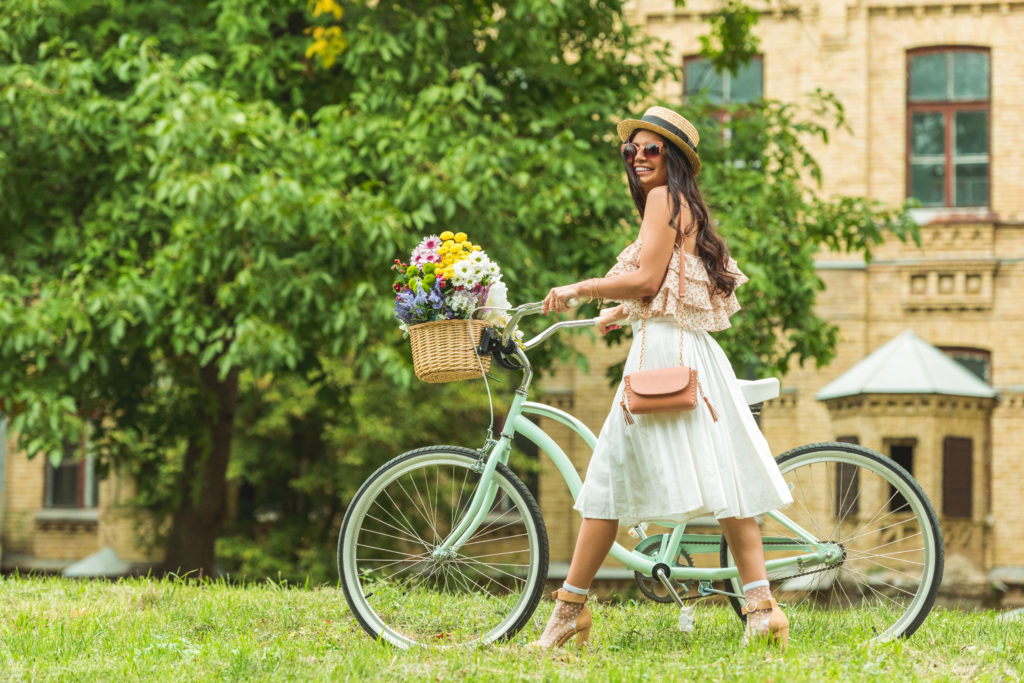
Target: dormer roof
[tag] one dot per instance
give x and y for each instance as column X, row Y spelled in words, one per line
column 906, row 364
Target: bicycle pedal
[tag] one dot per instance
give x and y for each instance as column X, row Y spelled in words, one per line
column 638, row 531
column 687, row 619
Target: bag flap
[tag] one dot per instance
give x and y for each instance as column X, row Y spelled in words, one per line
column 658, row 382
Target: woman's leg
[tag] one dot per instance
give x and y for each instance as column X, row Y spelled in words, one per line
column 571, row 615
column 592, row 545
column 744, row 539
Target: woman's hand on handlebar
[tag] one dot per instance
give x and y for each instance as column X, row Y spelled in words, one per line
column 561, row 299
column 609, row 319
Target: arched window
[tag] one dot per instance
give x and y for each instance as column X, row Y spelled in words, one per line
column 948, row 98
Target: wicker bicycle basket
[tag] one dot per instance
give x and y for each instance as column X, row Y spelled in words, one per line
column 443, row 351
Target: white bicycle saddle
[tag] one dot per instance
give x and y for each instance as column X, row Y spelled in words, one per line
column 759, row 390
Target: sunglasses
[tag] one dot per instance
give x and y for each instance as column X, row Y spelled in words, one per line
column 651, row 150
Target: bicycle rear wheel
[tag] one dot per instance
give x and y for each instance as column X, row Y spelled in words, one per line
column 891, row 545
column 402, row 591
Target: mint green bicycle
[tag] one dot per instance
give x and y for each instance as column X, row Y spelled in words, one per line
column 444, row 545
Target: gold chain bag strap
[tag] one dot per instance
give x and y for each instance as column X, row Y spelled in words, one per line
column 666, row 389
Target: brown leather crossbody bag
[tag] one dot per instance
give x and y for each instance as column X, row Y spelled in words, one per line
column 665, row 389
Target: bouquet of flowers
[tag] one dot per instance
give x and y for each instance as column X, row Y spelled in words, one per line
column 447, row 293
column 448, row 278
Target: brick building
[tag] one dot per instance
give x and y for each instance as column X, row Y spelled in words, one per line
column 933, row 93
column 54, row 516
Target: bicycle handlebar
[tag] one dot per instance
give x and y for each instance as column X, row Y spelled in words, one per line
column 519, row 350
column 532, row 308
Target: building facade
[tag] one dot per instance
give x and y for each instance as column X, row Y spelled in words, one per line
column 53, row 516
column 933, row 93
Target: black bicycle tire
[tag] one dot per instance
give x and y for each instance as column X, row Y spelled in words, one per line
column 502, row 470
column 918, row 491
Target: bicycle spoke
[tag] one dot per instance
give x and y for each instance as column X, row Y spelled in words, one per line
column 491, row 567
column 429, row 514
column 885, row 528
column 888, row 568
column 492, row 540
column 386, row 550
column 870, row 586
column 425, row 516
column 893, row 554
column 488, row 578
column 414, row 539
column 410, row 527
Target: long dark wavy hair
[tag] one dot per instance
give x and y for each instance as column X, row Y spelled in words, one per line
column 683, row 184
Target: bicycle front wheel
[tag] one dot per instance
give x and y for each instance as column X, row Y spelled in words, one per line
column 891, row 552
column 399, row 584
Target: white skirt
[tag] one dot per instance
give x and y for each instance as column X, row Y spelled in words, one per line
column 673, row 467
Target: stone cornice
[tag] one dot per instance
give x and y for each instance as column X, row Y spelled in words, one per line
column 701, row 11
column 921, row 405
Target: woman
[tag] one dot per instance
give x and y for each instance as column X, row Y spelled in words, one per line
column 672, row 466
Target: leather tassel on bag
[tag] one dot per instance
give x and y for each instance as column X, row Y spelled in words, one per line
column 628, row 416
column 714, row 415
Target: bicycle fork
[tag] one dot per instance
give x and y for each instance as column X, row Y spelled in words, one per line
column 482, row 501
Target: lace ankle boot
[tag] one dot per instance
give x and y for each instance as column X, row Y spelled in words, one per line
column 571, row 616
column 764, row 618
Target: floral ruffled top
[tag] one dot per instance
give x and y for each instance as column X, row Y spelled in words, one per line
column 702, row 309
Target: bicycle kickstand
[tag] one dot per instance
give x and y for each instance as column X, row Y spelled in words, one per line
column 686, row 618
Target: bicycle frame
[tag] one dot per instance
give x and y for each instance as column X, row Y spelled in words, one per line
column 518, row 423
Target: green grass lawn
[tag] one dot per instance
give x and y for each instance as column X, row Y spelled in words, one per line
column 56, row 629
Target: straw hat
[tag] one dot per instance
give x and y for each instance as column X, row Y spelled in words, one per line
column 669, row 124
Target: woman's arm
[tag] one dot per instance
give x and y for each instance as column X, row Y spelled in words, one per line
column 657, row 241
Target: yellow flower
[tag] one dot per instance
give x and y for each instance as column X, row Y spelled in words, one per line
column 442, row 250
column 476, row 247
column 447, row 235
column 460, row 237
column 320, row 7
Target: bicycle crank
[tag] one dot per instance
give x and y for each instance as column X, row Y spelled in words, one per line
column 649, row 586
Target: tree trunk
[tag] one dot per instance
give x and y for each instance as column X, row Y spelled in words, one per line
column 196, row 523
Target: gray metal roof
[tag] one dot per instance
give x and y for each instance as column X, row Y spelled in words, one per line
column 906, row 364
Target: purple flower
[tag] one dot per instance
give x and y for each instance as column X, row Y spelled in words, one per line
column 422, row 305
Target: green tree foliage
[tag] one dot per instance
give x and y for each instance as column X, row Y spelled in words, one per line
column 198, row 219
column 187, row 198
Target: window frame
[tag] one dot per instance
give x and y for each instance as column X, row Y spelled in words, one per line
column 958, row 448
column 897, row 502
column 726, row 79
column 86, row 493
column 956, row 352
column 948, row 109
